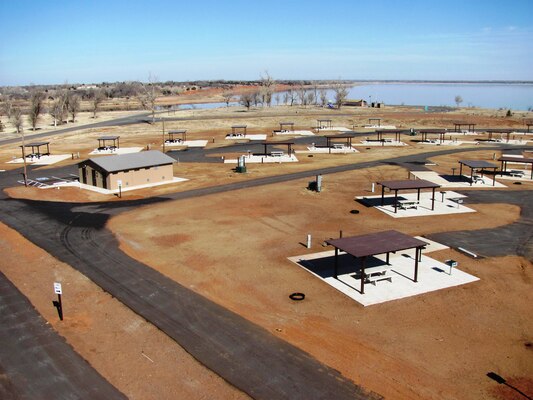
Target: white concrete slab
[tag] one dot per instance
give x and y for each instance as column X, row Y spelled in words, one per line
column 423, row 208
column 124, row 188
column 514, row 177
column 327, row 150
column 334, row 128
column 122, row 150
column 379, row 126
column 264, row 159
column 294, row 133
column 432, row 245
column 376, row 143
column 43, row 160
column 448, row 142
column 247, row 137
column 432, row 276
column 454, row 181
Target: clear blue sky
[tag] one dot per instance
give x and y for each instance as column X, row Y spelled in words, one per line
column 53, row 41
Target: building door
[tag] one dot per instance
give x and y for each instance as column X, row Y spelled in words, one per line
column 104, row 181
column 84, row 175
column 93, row 173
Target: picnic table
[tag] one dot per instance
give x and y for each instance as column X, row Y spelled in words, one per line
column 277, row 153
column 405, row 204
column 378, row 273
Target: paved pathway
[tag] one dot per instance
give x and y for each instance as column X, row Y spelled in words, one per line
column 37, row 363
column 515, row 238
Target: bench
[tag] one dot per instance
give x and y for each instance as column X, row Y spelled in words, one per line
column 405, row 204
column 276, row 153
column 516, row 173
column 373, row 275
column 477, row 179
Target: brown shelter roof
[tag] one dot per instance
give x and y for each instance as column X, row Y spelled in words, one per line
column 409, row 184
column 376, row 243
column 477, row 164
column 518, row 160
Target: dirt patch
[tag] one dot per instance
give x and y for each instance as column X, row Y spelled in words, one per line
column 438, row 345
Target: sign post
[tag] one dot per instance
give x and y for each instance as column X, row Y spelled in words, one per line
column 119, row 183
column 57, row 304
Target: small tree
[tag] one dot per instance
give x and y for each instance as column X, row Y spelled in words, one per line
column 97, row 97
column 247, row 99
column 74, row 105
column 148, row 93
column 277, row 98
column 16, row 119
column 227, row 96
column 302, row 95
column 267, row 88
column 458, row 100
column 341, row 93
column 36, row 108
column 323, row 97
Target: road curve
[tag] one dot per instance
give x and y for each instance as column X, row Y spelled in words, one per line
column 37, row 363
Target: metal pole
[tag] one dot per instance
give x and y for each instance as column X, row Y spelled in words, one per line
column 60, row 307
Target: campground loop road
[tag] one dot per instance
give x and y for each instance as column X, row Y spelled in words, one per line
column 247, row 356
column 37, row 363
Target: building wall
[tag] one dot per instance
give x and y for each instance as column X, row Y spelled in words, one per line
column 92, row 175
column 142, row 176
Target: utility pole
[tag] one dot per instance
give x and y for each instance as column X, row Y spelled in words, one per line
column 163, row 135
column 24, row 158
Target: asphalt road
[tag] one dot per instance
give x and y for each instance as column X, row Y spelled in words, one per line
column 515, row 238
column 247, row 356
column 37, row 363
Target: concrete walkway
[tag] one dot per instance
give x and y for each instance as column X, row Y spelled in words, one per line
column 37, row 363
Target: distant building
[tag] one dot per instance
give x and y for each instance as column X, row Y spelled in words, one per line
column 355, row 103
column 132, row 169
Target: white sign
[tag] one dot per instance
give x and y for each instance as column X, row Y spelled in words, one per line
column 57, row 288
column 119, row 182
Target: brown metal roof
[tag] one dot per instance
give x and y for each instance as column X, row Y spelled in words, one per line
column 409, row 184
column 521, row 160
column 286, row 123
column 477, row 164
column 178, row 131
column 376, row 243
column 36, row 144
column 239, row 126
column 108, row 137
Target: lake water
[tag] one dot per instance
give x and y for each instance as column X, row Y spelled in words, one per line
column 506, row 96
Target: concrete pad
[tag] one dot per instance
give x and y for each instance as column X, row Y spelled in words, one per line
column 379, row 126
column 196, row 143
column 295, row 133
column 252, row 159
column 463, row 133
column 448, row 142
column 122, row 150
column 525, row 178
column 124, row 188
column 247, row 137
column 334, row 128
column 424, row 207
column 454, row 181
column 432, row 275
column 432, row 245
column 43, row 160
column 327, row 150
column 376, row 143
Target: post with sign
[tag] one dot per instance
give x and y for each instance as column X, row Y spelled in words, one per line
column 119, row 183
column 57, row 304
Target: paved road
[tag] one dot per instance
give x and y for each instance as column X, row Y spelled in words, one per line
column 244, row 354
column 37, row 363
column 515, row 238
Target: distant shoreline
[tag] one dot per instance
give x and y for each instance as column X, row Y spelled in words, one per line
column 441, row 82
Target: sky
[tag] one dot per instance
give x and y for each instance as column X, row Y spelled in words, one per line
column 93, row 41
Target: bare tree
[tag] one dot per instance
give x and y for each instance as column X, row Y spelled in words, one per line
column 97, row 97
column 291, row 97
column 148, row 93
column 341, row 93
column 58, row 111
column 257, row 99
column 323, row 97
column 302, row 95
column 458, row 100
column 247, row 99
column 267, row 88
column 36, row 108
column 310, row 98
column 73, row 105
column 16, row 119
column 227, row 96
column 277, row 98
